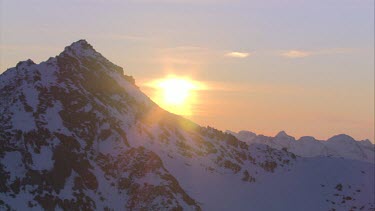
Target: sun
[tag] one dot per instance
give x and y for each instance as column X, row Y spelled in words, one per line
column 176, row 91
column 176, row 94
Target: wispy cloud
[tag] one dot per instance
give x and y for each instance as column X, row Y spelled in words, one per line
column 295, row 54
column 303, row 53
column 236, row 54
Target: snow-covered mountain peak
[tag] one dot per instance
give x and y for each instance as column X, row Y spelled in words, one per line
column 26, row 63
column 80, row 45
column 81, row 49
column 82, row 53
column 367, row 143
column 284, row 135
column 248, row 133
column 341, row 138
column 245, row 135
column 307, row 139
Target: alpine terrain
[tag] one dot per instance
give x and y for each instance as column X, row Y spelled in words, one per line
column 338, row 146
column 78, row 134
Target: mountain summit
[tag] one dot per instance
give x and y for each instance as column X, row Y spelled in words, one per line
column 78, row 134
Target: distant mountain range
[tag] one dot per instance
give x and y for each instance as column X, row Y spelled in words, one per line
column 340, row 146
column 78, row 134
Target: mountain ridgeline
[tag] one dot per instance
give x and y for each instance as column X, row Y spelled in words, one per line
column 78, row 134
column 340, row 146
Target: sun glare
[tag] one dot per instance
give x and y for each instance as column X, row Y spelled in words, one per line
column 176, row 90
column 176, row 94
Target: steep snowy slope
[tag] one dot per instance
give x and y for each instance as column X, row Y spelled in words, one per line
column 341, row 146
column 78, row 134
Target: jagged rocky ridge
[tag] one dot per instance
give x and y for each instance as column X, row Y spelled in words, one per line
column 78, row 134
column 340, row 146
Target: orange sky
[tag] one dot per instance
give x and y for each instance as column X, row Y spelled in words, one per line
column 270, row 109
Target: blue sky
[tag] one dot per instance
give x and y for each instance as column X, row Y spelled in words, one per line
column 306, row 67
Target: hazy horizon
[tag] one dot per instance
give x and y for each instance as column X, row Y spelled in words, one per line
column 303, row 67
